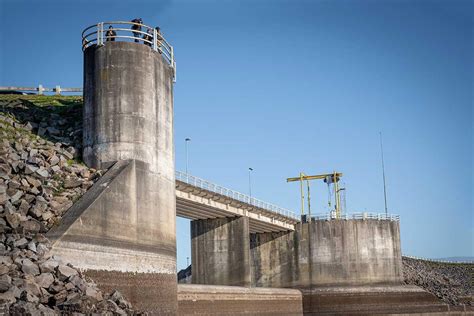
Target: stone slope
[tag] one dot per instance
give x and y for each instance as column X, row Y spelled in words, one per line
column 451, row 282
column 41, row 176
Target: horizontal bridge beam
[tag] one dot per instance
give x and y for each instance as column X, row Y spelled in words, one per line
column 195, row 203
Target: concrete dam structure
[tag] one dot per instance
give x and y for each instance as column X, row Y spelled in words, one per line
column 248, row 257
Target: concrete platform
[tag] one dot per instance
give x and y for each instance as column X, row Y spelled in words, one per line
column 194, row 299
column 373, row 300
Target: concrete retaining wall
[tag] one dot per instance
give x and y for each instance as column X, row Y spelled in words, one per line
column 233, row 300
column 370, row 300
column 335, row 252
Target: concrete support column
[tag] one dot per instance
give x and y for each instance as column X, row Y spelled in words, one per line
column 220, row 251
column 274, row 259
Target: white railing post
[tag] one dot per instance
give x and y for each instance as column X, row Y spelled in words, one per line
column 100, row 31
column 155, row 46
column 173, row 63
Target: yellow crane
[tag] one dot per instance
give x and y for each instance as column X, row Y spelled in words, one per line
column 328, row 178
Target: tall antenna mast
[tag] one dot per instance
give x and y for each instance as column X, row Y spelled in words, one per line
column 383, row 173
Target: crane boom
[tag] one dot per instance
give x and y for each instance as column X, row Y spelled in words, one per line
column 315, row 177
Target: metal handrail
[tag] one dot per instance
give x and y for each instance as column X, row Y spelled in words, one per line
column 206, row 185
column 363, row 216
column 96, row 35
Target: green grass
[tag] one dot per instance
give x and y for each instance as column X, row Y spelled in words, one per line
column 45, row 100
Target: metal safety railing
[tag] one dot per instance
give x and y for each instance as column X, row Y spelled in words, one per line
column 97, row 35
column 40, row 89
column 363, row 216
column 209, row 186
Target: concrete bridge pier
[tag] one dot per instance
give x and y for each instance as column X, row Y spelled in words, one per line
column 220, row 251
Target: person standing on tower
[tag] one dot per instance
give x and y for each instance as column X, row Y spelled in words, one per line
column 137, row 27
column 148, row 37
column 110, row 34
column 159, row 38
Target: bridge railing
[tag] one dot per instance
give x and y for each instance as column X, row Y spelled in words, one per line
column 97, row 35
column 40, row 89
column 363, row 215
column 209, row 186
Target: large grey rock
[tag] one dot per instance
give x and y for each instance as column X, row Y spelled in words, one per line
column 29, row 267
column 65, row 272
column 44, row 280
column 42, row 173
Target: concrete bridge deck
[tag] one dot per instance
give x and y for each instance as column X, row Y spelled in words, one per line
column 199, row 199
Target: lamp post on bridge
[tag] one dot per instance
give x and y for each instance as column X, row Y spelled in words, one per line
column 250, row 184
column 186, row 146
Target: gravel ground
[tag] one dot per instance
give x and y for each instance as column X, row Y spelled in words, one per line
column 451, row 282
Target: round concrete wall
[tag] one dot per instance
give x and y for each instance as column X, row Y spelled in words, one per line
column 128, row 106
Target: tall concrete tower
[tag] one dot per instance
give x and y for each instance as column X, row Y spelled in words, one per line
column 123, row 233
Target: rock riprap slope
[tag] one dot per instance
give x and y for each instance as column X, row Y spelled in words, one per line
column 41, row 176
column 451, row 282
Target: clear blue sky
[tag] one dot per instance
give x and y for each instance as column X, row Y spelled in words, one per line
column 289, row 86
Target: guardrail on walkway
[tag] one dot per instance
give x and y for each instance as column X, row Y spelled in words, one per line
column 209, row 186
column 97, row 35
column 40, row 89
column 364, row 215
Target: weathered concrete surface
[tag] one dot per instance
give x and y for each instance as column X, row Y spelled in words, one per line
column 220, row 251
column 369, row 300
column 232, row 300
column 128, row 107
column 118, row 228
column 336, row 252
column 131, row 226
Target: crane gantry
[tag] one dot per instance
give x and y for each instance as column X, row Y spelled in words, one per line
column 327, row 178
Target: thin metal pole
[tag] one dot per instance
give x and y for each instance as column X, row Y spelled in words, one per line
column 383, row 173
column 250, row 185
column 186, row 146
column 302, row 192
column 309, row 201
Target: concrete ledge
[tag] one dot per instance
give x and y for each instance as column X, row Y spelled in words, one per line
column 196, row 299
column 363, row 300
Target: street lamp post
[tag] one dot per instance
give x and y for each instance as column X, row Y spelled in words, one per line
column 250, row 185
column 187, row 140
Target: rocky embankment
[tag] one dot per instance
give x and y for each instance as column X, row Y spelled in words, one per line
column 41, row 176
column 451, row 282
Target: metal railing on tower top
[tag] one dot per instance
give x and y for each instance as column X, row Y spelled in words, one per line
column 97, row 35
column 209, row 186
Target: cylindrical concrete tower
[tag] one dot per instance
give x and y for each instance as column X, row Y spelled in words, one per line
column 128, row 106
column 128, row 116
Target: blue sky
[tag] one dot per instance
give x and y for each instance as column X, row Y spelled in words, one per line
column 290, row 86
